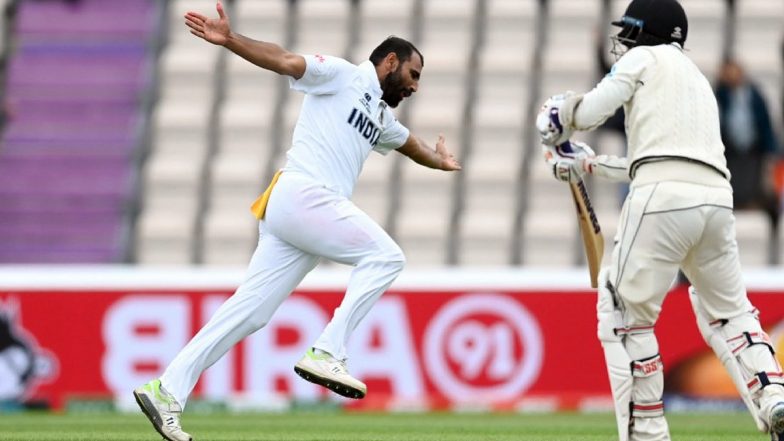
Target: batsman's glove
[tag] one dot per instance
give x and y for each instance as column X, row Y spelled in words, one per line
column 570, row 161
column 554, row 120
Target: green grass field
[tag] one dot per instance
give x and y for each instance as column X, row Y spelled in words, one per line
column 369, row 427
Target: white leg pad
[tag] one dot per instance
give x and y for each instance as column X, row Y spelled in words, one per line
column 617, row 359
column 636, row 381
column 747, row 354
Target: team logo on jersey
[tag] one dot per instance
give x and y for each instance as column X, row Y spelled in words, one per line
column 366, row 102
column 365, row 126
column 319, row 58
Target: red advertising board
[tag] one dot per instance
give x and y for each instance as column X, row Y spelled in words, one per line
column 434, row 348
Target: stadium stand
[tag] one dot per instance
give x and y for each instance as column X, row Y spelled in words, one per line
column 76, row 84
column 220, row 126
column 493, row 158
column 244, row 154
column 448, row 31
column 181, row 138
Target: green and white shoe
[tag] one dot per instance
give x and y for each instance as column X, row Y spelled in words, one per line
column 162, row 410
column 325, row 370
column 776, row 422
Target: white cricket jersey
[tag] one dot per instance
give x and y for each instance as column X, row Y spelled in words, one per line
column 342, row 119
column 671, row 111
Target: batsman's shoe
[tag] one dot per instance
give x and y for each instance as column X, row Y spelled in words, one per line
column 325, row 370
column 777, row 422
column 162, row 410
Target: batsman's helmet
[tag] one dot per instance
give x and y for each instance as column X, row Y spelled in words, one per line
column 652, row 22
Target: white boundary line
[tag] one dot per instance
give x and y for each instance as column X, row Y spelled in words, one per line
column 115, row 277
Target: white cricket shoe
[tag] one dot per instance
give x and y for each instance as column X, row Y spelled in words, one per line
column 325, row 370
column 776, row 422
column 162, row 410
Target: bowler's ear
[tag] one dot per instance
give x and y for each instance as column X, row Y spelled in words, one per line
column 392, row 61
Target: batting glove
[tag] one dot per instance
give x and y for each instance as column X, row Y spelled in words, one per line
column 550, row 123
column 570, row 161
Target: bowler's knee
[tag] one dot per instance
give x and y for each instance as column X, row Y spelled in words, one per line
column 391, row 257
column 258, row 319
column 396, row 258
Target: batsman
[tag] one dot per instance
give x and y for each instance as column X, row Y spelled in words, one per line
column 677, row 215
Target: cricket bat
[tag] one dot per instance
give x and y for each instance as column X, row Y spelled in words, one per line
column 593, row 241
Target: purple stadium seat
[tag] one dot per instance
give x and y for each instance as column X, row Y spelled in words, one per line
column 64, row 175
column 87, row 20
column 72, row 74
column 76, row 84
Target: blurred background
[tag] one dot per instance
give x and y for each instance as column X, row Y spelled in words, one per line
column 127, row 141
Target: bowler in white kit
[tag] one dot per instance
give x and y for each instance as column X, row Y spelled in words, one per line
column 678, row 215
column 306, row 213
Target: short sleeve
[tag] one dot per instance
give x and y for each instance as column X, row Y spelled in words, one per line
column 394, row 135
column 323, row 75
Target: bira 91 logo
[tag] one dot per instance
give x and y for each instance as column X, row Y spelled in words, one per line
column 483, row 348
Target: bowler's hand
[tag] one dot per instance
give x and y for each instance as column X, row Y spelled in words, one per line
column 216, row 31
column 448, row 161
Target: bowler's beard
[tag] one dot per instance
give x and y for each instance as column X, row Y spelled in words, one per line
column 392, row 87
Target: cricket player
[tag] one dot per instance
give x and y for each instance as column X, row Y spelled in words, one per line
column 306, row 213
column 678, row 214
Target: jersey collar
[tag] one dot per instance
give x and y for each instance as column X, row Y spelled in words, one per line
column 369, row 69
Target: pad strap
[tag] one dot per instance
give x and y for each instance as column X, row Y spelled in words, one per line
column 648, row 410
column 718, row 323
column 762, row 380
column 631, row 330
column 747, row 339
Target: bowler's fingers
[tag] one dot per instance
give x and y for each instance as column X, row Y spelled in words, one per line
column 221, row 12
column 450, row 163
column 441, row 147
column 440, row 141
column 197, row 26
column 195, row 16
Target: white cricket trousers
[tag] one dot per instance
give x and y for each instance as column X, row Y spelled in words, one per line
column 669, row 223
column 677, row 215
column 304, row 221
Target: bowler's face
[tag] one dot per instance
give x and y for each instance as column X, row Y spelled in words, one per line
column 402, row 82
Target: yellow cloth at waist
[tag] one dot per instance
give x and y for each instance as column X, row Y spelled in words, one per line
column 259, row 206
